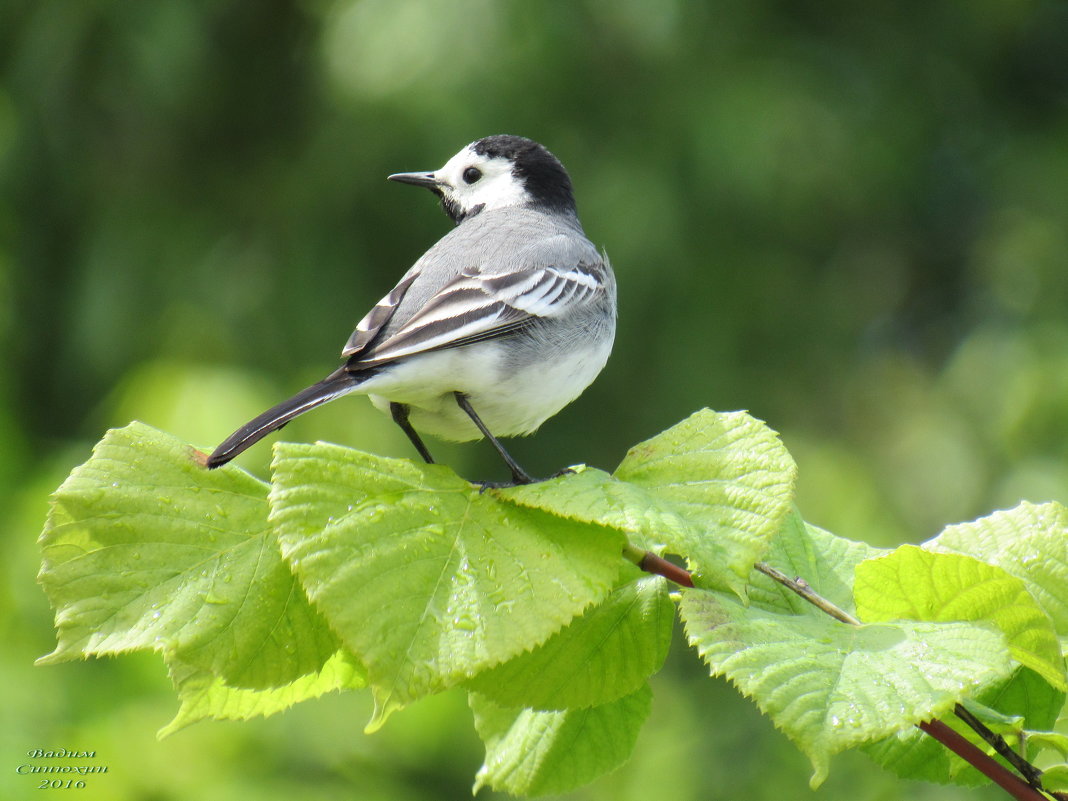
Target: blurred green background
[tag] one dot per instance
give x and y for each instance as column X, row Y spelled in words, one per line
column 850, row 220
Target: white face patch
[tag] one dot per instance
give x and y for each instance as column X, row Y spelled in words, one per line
column 470, row 179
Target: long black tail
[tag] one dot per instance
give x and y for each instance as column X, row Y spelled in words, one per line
column 333, row 386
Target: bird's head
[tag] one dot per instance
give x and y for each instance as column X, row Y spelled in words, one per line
column 494, row 173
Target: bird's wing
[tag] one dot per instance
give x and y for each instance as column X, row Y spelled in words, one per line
column 372, row 323
column 481, row 304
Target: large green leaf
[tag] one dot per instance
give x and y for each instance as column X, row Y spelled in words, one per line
column 606, row 653
column 146, row 549
column 915, row 584
column 537, row 753
column 729, row 476
column 831, row 686
column 428, row 580
column 1030, row 542
column 649, row 519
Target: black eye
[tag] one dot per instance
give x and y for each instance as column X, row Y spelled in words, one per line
column 472, row 174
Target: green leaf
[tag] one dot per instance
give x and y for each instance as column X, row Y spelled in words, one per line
column 599, row 657
column 426, row 579
column 1030, row 542
column 823, row 560
column 145, row 549
column 831, row 686
column 649, row 519
column 539, row 753
column 916, row 584
column 1027, row 695
column 1055, row 778
column 203, row 695
column 1055, row 740
column 729, row 476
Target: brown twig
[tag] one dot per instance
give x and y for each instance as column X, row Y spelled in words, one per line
column 804, row 589
column 1032, row 774
column 651, row 563
column 992, row 769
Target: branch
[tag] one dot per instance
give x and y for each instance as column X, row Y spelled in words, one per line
column 1032, row 774
column 955, row 742
column 804, row 589
column 993, row 770
column 651, row 563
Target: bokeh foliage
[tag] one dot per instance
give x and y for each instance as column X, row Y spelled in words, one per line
column 851, row 220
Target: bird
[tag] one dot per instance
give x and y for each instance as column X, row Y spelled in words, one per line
column 504, row 321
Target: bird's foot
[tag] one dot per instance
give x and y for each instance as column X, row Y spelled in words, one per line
column 519, row 480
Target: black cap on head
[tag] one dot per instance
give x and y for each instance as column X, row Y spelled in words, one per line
column 541, row 172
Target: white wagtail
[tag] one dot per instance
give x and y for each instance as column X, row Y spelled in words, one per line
column 502, row 323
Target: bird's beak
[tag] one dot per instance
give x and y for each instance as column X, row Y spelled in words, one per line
column 426, row 179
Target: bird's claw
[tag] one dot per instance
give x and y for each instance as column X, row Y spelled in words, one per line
column 519, row 481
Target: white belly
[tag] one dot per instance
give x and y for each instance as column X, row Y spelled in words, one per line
column 510, row 401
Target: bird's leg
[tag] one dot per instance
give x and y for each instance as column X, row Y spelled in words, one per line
column 519, row 475
column 399, row 411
